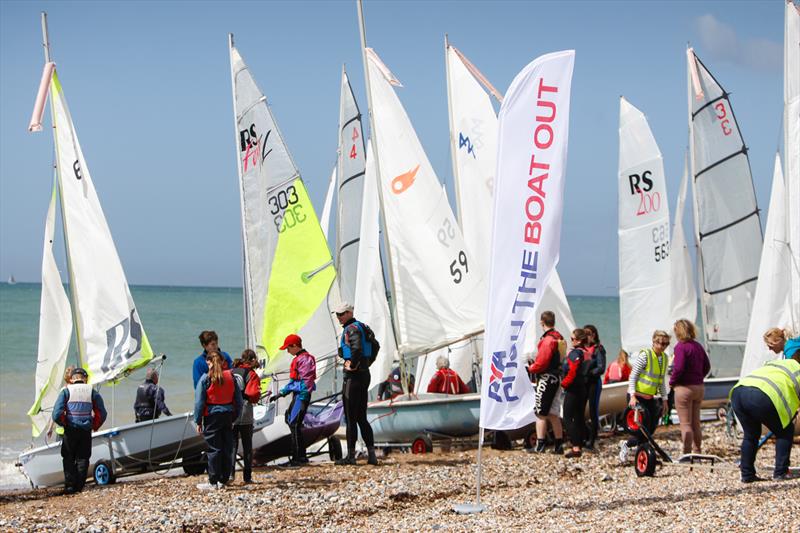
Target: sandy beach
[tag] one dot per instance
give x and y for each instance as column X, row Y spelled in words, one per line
column 417, row 492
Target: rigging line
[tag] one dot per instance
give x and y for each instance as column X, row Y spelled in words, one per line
column 357, row 117
column 351, row 178
column 726, row 226
column 348, row 243
column 726, row 289
column 743, row 150
column 723, row 96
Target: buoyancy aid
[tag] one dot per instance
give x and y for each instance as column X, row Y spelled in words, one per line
column 554, row 365
column 220, row 393
column 344, row 345
column 79, row 405
column 145, row 403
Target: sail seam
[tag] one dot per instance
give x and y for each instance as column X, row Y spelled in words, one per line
column 351, row 178
column 734, row 154
column 726, row 289
column 728, row 225
column 248, row 108
column 723, row 96
column 349, row 243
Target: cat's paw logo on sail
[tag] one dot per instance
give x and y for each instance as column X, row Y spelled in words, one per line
column 402, row 182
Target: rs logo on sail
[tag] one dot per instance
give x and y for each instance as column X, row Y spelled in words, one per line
column 249, row 144
column 123, row 341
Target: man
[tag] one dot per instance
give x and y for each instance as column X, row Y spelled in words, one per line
column 393, row 386
column 446, row 380
column 769, row 396
column 357, row 354
column 546, row 374
column 302, row 375
column 210, row 343
column 149, row 402
column 79, row 410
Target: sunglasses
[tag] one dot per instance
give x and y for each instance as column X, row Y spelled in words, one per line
column 341, row 314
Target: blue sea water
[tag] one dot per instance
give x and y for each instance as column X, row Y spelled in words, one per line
column 173, row 317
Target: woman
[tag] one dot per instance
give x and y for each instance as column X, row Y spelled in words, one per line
column 217, row 403
column 594, row 379
column 576, row 369
column 781, row 341
column 690, row 365
column 250, row 385
column 646, row 382
column 619, row 370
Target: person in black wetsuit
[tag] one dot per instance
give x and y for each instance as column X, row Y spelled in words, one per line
column 149, row 402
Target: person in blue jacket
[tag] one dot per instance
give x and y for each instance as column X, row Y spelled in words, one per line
column 210, row 343
column 781, row 341
column 79, row 409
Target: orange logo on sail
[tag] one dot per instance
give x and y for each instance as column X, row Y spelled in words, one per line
column 402, row 182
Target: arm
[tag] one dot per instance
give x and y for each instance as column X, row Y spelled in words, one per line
column 59, row 407
column 542, row 360
column 600, row 361
column 353, row 339
column 161, row 406
column 198, row 370
column 238, row 402
column 200, row 399
column 435, row 383
column 99, row 408
column 572, row 363
column 706, row 363
column 678, row 364
column 462, row 387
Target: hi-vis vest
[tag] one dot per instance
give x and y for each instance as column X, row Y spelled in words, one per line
column 780, row 381
column 653, row 374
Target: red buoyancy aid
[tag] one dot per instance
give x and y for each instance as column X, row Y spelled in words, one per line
column 220, row 393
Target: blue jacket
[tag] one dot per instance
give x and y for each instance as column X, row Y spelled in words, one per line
column 790, row 347
column 200, row 366
column 78, row 414
column 200, row 401
column 297, row 386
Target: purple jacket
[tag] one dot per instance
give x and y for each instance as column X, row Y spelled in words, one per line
column 690, row 365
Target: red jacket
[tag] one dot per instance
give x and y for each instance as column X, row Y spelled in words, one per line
column 616, row 373
column 447, row 381
column 547, row 357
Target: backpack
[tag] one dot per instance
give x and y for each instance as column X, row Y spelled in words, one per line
column 369, row 336
column 251, row 390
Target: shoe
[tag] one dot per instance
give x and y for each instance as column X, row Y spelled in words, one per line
column 207, row 486
column 541, row 445
column 558, row 448
column 346, row 461
column 573, row 453
column 220, row 485
column 752, row 479
column 371, row 458
column 623, row 451
column 303, row 460
column 784, row 477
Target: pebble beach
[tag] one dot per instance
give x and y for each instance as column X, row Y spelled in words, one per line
column 408, row 492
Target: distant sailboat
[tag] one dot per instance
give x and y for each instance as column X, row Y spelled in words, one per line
column 11, row 280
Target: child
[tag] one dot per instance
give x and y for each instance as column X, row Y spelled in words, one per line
column 302, row 375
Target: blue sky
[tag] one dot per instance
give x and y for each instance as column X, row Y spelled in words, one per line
column 148, row 84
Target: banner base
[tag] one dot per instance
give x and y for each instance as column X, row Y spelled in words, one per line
column 469, row 508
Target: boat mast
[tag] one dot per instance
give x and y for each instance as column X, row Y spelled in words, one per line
column 57, row 169
column 372, row 137
column 249, row 335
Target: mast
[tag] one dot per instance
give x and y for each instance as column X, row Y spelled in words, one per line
column 372, row 136
column 249, row 335
column 74, row 307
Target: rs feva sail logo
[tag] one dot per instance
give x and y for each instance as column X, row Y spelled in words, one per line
column 402, row 182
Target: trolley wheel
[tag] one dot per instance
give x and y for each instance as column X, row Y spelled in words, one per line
column 103, row 473
column 645, row 460
column 422, row 444
column 334, row 449
column 530, row 440
column 722, row 412
column 500, row 441
column 629, row 419
column 195, row 465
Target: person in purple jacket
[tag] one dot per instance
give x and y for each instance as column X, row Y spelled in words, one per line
column 690, row 365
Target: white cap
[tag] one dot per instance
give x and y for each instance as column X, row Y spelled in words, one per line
column 343, row 307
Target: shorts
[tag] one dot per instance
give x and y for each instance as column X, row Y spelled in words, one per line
column 545, row 393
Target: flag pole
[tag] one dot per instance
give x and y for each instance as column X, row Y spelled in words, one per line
column 477, row 507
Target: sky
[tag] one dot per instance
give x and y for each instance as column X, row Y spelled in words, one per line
column 148, row 86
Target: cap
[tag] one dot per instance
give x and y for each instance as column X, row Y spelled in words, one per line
column 79, row 371
column 342, row 308
column 291, row 339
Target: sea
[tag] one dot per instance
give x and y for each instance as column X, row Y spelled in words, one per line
column 173, row 317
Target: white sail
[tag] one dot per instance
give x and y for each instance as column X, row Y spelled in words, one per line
column 288, row 266
column 438, row 290
column 325, row 217
column 727, row 225
column 684, row 293
column 473, row 143
column 371, row 306
column 791, row 147
column 772, row 306
column 350, row 164
column 55, row 331
column 644, row 262
column 111, row 340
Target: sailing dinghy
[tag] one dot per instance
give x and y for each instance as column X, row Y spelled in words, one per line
column 110, row 338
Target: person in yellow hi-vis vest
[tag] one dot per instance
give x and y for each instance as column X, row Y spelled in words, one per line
column 769, row 396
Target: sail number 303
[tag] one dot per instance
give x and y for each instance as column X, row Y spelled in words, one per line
column 286, row 210
column 660, row 236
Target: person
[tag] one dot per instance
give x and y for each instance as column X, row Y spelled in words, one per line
column 79, row 409
column 250, row 384
column 210, row 343
column 619, row 370
column 768, row 396
column 302, row 375
column 357, row 354
column 392, row 387
column 646, row 382
column 446, row 380
column 690, row 366
column 149, row 403
column 217, row 403
column 779, row 340
column 595, row 380
column 575, row 385
column 546, row 374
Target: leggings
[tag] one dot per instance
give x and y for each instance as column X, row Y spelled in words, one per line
column 687, row 402
column 354, row 396
column 574, row 407
column 595, row 389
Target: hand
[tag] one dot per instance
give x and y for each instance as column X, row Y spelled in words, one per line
column 274, row 398
column 347, row 365
column 633, row 402
column 199, row 429
column 666, row 407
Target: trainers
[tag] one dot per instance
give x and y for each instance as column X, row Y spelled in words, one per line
column 346, row 461
column 752, row 479
column 623, row 451
column 372, row 459
column 541, row 445
column 784, row 477
column 558, row 449
column 207, row 486
column 220, row 485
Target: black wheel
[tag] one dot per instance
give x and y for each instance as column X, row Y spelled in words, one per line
column 195, row 465
column 422, row 444
column 530, row 440
column 645, row 460
column 500, row 441
column 334, row 449
column 630, row 416
column 103, row 473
